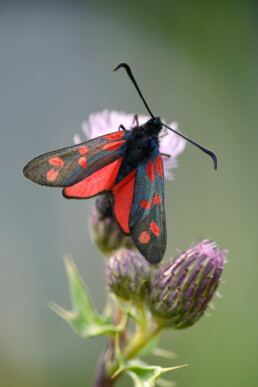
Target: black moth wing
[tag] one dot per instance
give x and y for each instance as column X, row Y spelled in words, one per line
column 68, row 166
column 147, row 220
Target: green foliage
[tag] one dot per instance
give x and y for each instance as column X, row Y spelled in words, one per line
column 142, row 374
column 83, row 316
column 124, row 345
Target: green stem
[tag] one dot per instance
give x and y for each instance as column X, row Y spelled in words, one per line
column 146, row 331
column 140, row 340
column 141, row 316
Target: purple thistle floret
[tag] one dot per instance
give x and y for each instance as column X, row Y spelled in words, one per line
column 108, row 121
column 182, row 290
column 128, row 275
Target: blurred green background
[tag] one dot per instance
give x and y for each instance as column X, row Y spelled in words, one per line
column 196, row 63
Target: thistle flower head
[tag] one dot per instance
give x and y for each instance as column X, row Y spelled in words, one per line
column 182, row 290
column 104, row 229
column 107, row 121
column 128, row 274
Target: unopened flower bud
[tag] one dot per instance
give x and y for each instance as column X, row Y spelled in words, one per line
column 128, row 274
column 182, row 290
column 104, row 228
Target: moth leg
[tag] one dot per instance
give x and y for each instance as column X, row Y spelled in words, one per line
column 121, row 127
column 135, row 120
column 163, row 134
column 166, row 155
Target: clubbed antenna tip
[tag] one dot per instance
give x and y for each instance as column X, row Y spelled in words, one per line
column 205, row 150
column 130, row 75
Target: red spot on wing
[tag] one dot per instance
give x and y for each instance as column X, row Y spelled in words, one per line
column 101, row 180
column 144, row 237
column 150, row 170
column 56, row 161
column 159, row 166
column 145, row 204
column 82, row 162
column 83, row 149
column 52, row 175
column 156, row 199
column 113, row 145
column 155, row 228
column 123, row 193
column 114, row 136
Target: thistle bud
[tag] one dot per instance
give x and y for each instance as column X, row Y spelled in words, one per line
column 182, row 290
column 128, row 274
column 104, row 228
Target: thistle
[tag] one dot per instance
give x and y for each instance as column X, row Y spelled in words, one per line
column 182, row 290
column 128, row 275
column 175, row 296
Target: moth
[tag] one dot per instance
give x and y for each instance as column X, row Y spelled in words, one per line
column 128, row 165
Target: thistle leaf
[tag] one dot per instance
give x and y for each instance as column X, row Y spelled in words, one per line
column 83, row 316
column 143, row 374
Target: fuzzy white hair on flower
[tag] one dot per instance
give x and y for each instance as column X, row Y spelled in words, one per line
column 107, row 121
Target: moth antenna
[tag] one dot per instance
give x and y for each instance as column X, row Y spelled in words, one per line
column 130, row 74
column 205, row 150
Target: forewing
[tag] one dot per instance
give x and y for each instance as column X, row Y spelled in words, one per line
column 68, row 166
column 147, row 216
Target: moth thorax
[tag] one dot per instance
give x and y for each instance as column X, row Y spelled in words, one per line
column 153, row 127
column 139, row 147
